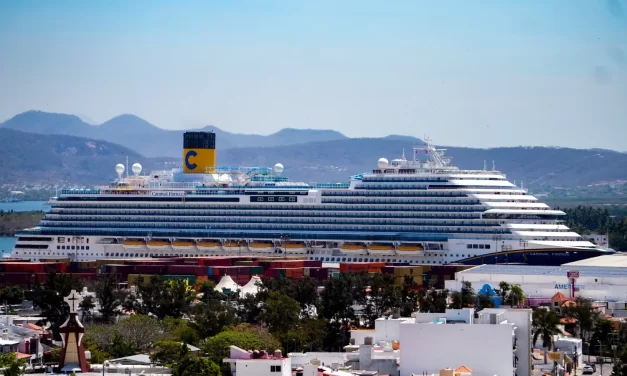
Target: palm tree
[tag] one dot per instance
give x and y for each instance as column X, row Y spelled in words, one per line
column 545, row 323
column 504, row 287
column 516, row 295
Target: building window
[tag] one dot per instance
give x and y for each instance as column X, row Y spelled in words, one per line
column 275, row 368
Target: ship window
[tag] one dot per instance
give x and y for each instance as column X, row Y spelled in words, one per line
column 107, row 254
column 481, row 246
column 487, row 246
column 87, row 247
column 58, row 247
column 475, row 246
column 469, row 246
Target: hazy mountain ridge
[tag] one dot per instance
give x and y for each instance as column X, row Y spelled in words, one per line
column 312, row 156
column 149, row 140
column 27, row 158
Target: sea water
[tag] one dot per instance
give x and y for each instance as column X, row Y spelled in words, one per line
column 7, row 243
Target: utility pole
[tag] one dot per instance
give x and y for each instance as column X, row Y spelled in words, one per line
column 601, row 355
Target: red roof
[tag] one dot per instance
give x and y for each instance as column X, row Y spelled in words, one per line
column 21, row 355
column 463, row 369
column 559, row 297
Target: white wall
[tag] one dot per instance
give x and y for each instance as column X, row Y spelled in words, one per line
column 486, row 349
column 262, row 367
column 325, row 358
column 360, row 334
column 608, row 289
column 387, row 329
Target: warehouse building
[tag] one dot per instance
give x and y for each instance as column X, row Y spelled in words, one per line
column 596, row 280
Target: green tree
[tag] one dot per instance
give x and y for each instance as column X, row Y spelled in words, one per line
column 280, row 312
column 12, row 365
column 383, row 296
column 409, row 297
column 308, row 335
column 166, row 353
column 161, row 298
column 464, row 298
column 181, row 330
column 109, row 297
column 432, row 300
column 119, row 346
column 545, row 324
column 620, row 366
column 190, row 365
column 218, row 346
column 248, row 308
column 11, row 295
column 516, row 295
column 338, row 299
column 208, row 291
column 86, row 305
column 48, row 296
column 484, row 301
column 306, row 294
column 583, row 312
column 504, row 288
column 211, row 317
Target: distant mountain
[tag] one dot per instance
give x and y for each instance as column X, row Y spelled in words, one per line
column 28, row 158
column 535, row 167
column 138, row 134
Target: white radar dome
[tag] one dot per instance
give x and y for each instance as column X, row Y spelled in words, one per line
column 278, row 168
column 119, row 168
column 137, row 168
column 383, row 163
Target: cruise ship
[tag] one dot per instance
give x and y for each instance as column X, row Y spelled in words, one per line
column 421, row 210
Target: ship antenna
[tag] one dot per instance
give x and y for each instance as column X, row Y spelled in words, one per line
column 127, row 166
column 403, row 153
column 493, row 166
column 484, row 165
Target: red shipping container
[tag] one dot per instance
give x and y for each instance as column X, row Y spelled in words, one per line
column 187, row 270
column 312, row 264
column 150, row 269
column 216, row 261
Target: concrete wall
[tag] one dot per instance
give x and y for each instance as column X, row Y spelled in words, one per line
column 325, row 358
column 612, row 291
column 360, row 334
column 262, row 367
column 486, row 349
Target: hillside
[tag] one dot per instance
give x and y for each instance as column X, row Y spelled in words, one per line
column 35, row 158
column 149, row 140
column 537, row 167
column 313, row 156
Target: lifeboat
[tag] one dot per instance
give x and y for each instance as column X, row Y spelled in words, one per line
column 381, row 249
column 233, row 246
column 134, row 244
column 183, row 245
column 159, row 244
column 354, row 248
column 409, row 249
column 261, row 246
column 208, row 245
column 294, row 247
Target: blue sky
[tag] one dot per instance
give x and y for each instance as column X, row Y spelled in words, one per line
column 469, row 73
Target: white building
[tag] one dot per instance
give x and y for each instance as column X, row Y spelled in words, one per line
column 540, row 283
column 497, row 342
column 246, row 363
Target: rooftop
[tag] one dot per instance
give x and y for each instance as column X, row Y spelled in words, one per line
column 584, row 271
column 616, row 260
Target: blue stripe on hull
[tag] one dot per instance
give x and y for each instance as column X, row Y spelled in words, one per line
column 533, row 257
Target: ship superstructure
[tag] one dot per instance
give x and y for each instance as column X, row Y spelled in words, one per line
column 421, row 210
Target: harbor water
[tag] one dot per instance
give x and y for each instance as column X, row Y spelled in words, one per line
column 7, row 243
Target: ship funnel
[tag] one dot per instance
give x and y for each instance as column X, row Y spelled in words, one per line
column 199, row 152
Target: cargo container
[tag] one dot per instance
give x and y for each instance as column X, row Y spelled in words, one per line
column 187, row 270
column 139, row 279
column 150, row 269
column 361, row 267
column 191, row 279
column 117, row 269
column 221, row 261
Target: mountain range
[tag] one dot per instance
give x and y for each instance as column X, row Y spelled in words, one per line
column 149, row 140
column 89, row 154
